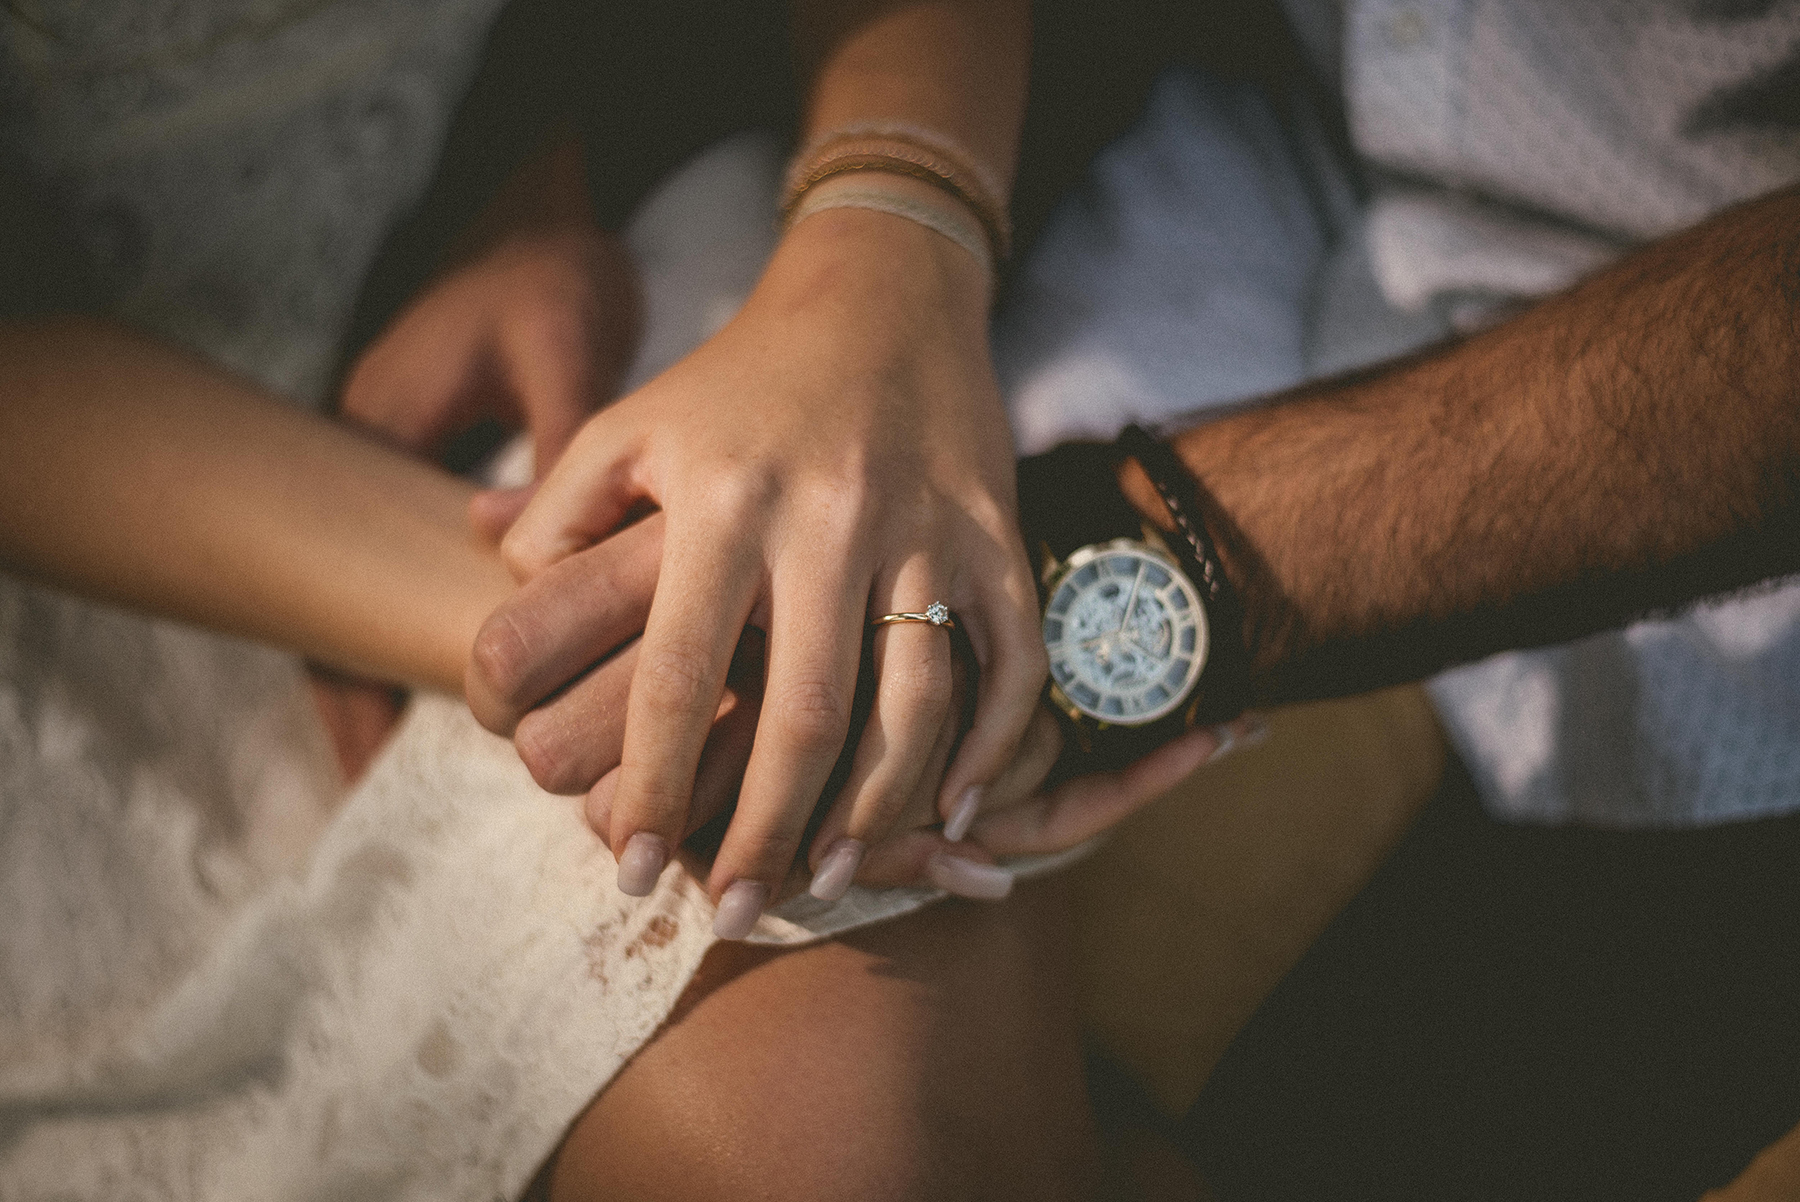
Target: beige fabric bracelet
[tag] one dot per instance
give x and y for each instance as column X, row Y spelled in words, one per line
column 945, row 219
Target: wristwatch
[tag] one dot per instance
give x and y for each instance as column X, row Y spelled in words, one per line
column 1143, row 630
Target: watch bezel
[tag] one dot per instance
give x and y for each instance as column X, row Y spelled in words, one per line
column 1081, row 557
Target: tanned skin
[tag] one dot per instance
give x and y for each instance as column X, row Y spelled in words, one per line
column 1622, row 449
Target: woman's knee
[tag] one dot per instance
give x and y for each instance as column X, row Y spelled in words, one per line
column 935, row 1057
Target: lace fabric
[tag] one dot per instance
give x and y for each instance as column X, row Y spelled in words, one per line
column 196, row 996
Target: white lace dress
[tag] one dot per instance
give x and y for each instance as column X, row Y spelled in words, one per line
column 212, row 985
column 219, row 978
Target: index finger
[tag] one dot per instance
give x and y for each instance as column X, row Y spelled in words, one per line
column 702, row 600
column 1082, row 807
column 554, row 376
column 587, row 492
column 557, row 624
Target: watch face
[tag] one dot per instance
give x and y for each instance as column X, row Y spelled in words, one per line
column 1126, row 633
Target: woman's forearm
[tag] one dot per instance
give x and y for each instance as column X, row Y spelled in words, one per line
column 958, row 67
column 139, row 474
column 1629, row 446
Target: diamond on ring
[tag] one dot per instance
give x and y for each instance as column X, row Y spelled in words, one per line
column 937, row 614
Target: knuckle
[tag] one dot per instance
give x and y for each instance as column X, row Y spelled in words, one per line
column 740, row 492
column 919, row 683
column 674, row 678
column 520, row 554
column 502, row 656
column 658, row 804
column 877, row 812
column 813, row 712
column 764, row 852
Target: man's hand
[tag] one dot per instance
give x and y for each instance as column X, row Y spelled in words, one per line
column 535, row 332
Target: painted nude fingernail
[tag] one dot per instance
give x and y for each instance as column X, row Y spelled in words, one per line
column 1246, row 731
column 641, row 865
column 966, row 878
column 963, row 816
column 739, row 909
column 837, row 869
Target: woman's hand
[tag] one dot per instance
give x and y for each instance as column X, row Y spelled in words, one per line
column 1020, row 817
column 838, row 451
column 532, row 324
column 535, row 332
column 1027, row 820
column 574, row 737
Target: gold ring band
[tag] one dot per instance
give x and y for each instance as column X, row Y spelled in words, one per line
column 936, row 614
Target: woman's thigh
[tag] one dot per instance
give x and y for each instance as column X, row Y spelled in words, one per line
column 935, row 1056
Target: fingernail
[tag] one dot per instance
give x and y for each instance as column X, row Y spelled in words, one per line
column 641, row 865
column 1242, row 732
column 963, row 816
column 966, row 878
column 739, row 909
column 837, row 869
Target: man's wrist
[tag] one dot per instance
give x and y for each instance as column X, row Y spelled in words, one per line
column 1080, row 518
column 1204, row 450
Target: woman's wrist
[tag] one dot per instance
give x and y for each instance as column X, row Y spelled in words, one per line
column 882, row 193
column 884, row 150
column 878, row 259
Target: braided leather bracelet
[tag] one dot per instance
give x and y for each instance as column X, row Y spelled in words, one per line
column 1229, row 688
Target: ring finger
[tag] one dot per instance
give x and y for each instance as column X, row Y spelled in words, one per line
column 908, row 720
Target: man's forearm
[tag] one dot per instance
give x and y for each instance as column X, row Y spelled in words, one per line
column 1628, row 446
column 139, row 474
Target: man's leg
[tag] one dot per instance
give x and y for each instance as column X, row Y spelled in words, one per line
column 1194, row 909
column 1774, row 1176
column 1514, row 1012
column 932, row 1057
